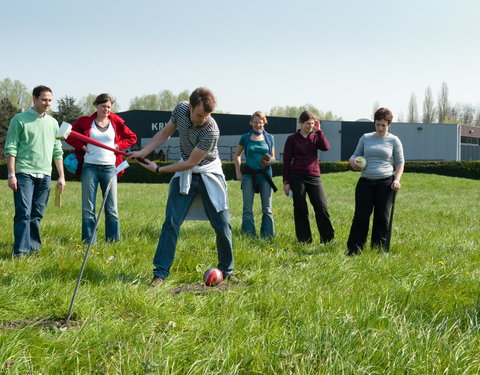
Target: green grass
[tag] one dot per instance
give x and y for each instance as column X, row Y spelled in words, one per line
column 304, row 309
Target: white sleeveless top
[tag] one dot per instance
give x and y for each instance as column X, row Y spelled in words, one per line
column 98, row 155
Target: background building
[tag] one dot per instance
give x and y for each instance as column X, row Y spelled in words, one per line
column 420, row 141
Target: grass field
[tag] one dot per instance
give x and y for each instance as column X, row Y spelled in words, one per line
column 303, row 309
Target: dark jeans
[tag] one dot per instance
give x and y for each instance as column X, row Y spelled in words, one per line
column 311, row 185
column 30, row 201
column 376, row 196
column 176, row 211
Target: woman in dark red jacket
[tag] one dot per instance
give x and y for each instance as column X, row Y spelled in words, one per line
column 97, row 165
column 301, row 176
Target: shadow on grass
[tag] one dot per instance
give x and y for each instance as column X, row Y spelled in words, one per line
column 91, row 274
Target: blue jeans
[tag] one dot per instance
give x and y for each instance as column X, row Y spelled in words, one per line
column 30, row 201
column 248, row 223
column 92, row 175
column 177, row 208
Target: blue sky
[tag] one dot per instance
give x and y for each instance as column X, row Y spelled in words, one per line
column 341, row 55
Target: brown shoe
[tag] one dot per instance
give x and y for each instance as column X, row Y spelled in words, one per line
column 233, row 279
column 156, row 281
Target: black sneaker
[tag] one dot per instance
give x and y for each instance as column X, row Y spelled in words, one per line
column 156, row 281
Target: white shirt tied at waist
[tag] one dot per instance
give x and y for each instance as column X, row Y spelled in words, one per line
column 214, row 180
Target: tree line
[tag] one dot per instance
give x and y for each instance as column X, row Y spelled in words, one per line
column 15, row 97
column 442, row 111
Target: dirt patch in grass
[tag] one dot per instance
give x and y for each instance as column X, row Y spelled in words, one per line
column 55, row 323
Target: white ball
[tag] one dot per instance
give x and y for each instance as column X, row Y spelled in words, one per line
column 361, row 162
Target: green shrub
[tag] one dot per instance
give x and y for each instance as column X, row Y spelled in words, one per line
column 465, row 169
column 136, row 173
column 277, row 168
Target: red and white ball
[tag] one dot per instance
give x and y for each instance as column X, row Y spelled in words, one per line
column 212, row 277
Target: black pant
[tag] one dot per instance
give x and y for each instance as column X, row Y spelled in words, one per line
column 311, row 185
column 376, row 196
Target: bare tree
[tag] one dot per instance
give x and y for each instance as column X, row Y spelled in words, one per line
column 443, row 106
column 429, row 111
column 476, row 122
column 412, row 109
column 455, row 113
column 467, row 115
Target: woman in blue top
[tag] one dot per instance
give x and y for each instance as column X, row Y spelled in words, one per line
column 377, row 184
column 256, row 174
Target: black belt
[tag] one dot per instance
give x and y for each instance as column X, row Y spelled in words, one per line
column 101, row 165
column 247, row 170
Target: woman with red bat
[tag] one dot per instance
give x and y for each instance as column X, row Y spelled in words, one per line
column 96, row 165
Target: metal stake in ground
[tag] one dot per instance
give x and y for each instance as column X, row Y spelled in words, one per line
column 120, row 168
column 390, row 223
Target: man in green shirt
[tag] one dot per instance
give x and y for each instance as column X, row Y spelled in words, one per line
column 30, row 147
